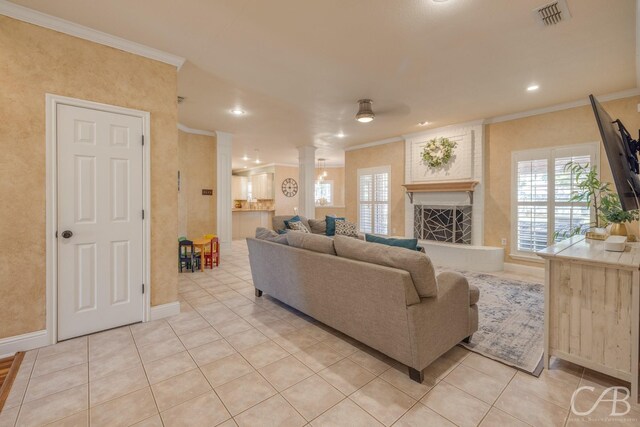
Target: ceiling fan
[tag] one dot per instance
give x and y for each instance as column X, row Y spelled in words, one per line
column 365, row 112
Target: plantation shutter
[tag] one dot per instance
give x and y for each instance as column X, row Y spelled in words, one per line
column 532, row 194
column 569, row 215
column 373, row 200
column 542, row 210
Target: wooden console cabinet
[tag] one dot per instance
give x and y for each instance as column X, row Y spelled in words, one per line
column 592, row 307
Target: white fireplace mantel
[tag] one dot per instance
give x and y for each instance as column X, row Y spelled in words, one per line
column 441, row 187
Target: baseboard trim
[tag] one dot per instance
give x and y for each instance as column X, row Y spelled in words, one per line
column 537, row 272
column 165, row 310
column 10, row 345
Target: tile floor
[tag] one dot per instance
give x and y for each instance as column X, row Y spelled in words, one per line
column 232, row 359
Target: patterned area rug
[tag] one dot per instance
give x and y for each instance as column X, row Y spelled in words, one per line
column 511, row 321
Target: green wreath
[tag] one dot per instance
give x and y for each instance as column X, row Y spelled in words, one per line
column 438, row 152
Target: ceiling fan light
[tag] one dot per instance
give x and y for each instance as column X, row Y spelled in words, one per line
column 365, row 112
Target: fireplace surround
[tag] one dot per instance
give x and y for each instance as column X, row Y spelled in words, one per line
column 451, row 224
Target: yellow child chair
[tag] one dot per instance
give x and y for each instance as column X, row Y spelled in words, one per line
column 211, row 253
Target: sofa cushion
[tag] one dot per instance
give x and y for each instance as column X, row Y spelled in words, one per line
column 331, row 224
column 312, row 242
column 277, row 222
column 403, row 243
column 263, row 233
column 280, row 238
column 298, row 226
column 474, row 294
column 416, row 263
column 318, row 226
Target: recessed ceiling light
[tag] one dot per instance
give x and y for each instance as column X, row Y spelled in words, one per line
column 532, row 88
column 244, row 167
column 237, row 112
column 341, row 135
column 245, row 157
column 423, row 123
column 257, row 162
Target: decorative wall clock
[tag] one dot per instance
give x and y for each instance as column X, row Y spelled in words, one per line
column 289, row 187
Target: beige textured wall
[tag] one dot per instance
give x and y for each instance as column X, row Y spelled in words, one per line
column 573, row 126
column 197, row 162
column 381, row 155
column 284, row 205
column 321, row 213
column 35, row 61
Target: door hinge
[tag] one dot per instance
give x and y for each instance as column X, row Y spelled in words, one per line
column 142, row 213
column 142, row 139
column 143, row 288
column 56, row 234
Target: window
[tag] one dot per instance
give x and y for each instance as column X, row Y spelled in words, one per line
column 542, row 190
column 373, row 200
column 324, row 193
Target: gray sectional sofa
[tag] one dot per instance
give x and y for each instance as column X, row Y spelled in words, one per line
column 386, row 297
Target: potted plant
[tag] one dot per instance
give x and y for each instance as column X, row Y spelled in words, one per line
column 590, row 190
column 612, row 211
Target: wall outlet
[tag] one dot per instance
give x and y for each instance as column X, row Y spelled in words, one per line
column 504, row 241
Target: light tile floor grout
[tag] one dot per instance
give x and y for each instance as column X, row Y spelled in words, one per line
column 212, row 300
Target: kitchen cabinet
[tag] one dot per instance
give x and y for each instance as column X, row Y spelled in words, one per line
column 262, row 186
column 239, row 187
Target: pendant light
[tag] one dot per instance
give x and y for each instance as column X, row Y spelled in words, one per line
column 365, row 112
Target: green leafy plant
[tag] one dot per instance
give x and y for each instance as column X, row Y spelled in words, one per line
column 438, row 152
column 612, row 210
column 590, row 190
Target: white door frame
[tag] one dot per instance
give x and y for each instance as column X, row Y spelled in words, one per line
column 52, row 101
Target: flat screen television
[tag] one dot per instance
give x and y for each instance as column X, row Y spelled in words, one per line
column 622, row 152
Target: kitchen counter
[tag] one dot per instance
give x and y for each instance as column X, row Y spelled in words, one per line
column 245, row 221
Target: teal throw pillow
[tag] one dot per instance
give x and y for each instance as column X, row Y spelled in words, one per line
column 390, row 241
column 293, row 219
column 331, row 224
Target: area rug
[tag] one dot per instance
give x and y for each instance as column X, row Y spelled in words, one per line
column 510, row 321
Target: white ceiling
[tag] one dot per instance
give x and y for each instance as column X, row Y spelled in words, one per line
column 297, row 67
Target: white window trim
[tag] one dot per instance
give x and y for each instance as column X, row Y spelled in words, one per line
column 325, row 181
column 593, row 148
column 372, row 171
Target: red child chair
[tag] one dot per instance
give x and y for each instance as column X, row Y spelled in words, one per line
column 212, row 253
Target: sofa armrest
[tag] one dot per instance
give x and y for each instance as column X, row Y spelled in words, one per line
column 439, row 323
column 454, row 284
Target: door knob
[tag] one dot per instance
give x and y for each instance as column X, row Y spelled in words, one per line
column 67, row 234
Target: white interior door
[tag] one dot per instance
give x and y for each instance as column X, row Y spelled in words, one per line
column 100, row 220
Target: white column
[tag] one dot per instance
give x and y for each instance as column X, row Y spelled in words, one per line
column 307, row 181
column 223, row 187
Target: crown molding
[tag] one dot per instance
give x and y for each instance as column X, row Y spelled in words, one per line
column 31, row 16
column 566, row 106
column 444, row 128
column 374, row 143
column 186, row 129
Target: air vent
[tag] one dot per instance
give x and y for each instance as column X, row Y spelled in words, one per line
column 181, row 99
column 552, row 13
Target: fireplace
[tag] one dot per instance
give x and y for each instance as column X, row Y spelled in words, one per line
column 443, row 223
